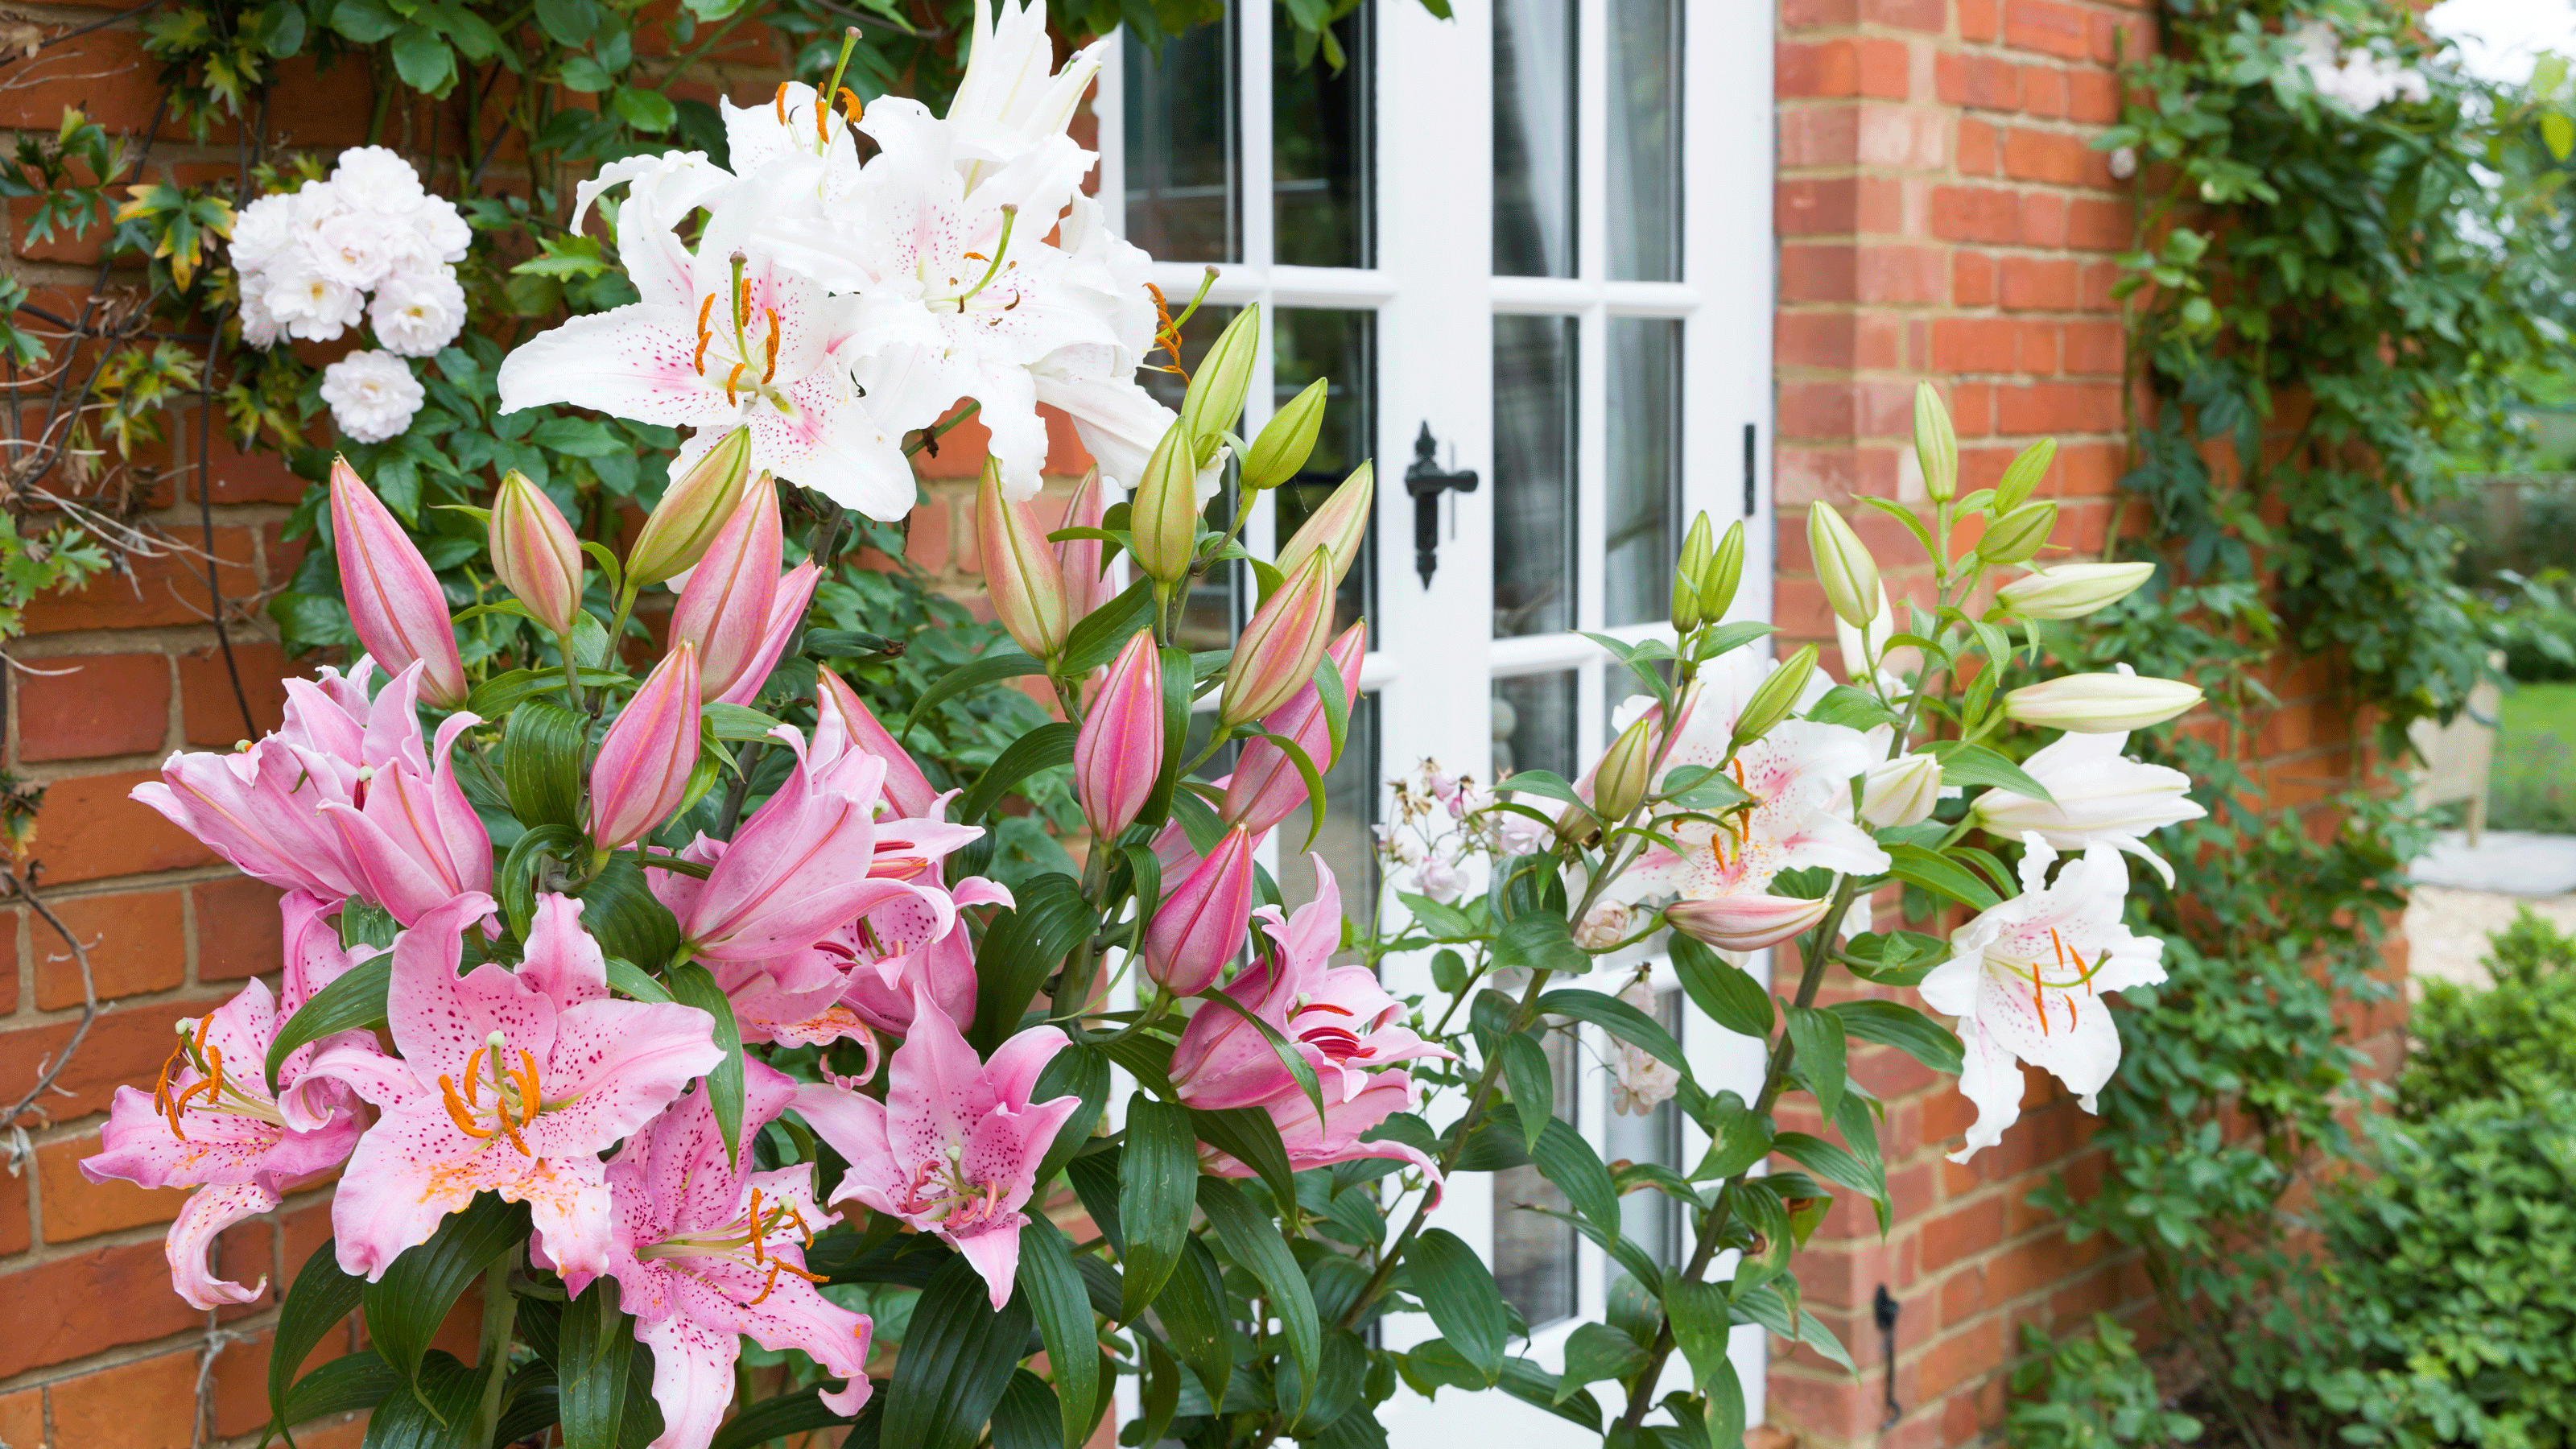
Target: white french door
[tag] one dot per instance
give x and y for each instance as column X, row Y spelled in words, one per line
column 1542, row 232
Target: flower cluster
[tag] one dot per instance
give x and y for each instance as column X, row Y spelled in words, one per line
column 832, row 306
column 2354, row 75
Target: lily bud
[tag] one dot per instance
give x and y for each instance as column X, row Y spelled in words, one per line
column 724, row 610
column 1163, row 512
column 1201, row 924
column 693, row 510
column 2023, row 475
column 1287, row 440
column 1745, row 922
column 535, row 554
column 1266, row 784
column 1276, row 655
column 2100, row 704
column 1697, row 547
column 1021, row 574
column 1936, row 444
column 1843, row 566
column 1077, row 560
column 642, row 773
column 1725, row 570
column 2017, row 535
column 905, row 787
column 395, row 602
column 1901, row 791
column 786, row 617
column 2071, row 591
column 1620, row 781
column 1215, row 398
column 1338, row 528
column 1773, row 698
column 1119, row 751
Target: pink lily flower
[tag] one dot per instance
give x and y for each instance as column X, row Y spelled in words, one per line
column 1341, row 1020
column 906, row 789
column 786, row 613
column 407, row 831
column 704, row 1254
column 1265, row 787
column 902, row 943
column 212, row 1122
column 1337, row 1137
column 507, row 1082
column 954, row 1147
column 812, row 858
column 724, row 610
column 395, row 601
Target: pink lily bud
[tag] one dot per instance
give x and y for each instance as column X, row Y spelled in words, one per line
column 1120, row 749
column 693, row 508
column 1020, row 570
column 395, row 602
column 725, row 608
column 786, row 615
column 535, row 554
column 1338, row 528
column 1745, row 922
column 1078, row 559
column 642, row 773
column 1266, row 786
column 1276, row 655
column 905, row 787
column 1202, row 923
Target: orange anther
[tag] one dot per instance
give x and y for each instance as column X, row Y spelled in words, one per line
column 782, row 103
column 822, row 122
column 473, row 1074
column 733, row 377
column 770, row 368
column 767, row 1287
column 850, row 106
column 527, row 1080
column 704, row 336
column 456, row 1112
column 757, row 1232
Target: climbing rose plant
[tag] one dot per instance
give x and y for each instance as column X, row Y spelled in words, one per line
column 695, row 1031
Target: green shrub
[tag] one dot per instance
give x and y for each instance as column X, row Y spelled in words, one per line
column 2090, row 1393
column 2516, row 1039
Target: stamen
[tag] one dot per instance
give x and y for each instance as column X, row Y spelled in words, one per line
column 1010, row 219
column 850, row 106
column 733, row 377
column 769, row 1286
column 704, row 336
column 527, row 1086
column 757, row 1234
column 770, row 369
column 473, row 1074
column 782, row 103
column 456, row 1110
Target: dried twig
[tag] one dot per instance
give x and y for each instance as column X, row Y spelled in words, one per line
column 52, row 1066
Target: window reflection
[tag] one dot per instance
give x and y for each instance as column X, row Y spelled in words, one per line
column 1534, row 724
column 1324, row 192
column 1184, row 147
column 1534, row 1254
column 1645, row 162
column 1534, row 69
column 1340, row 346
column 1641, row 536
column 1534, row 472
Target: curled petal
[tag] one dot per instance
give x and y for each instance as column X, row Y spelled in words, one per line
column 208, row 1212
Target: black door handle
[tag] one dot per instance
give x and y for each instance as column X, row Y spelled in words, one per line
column 1424, row 480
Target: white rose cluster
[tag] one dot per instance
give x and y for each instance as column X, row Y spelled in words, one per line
column 368, row 242
column 2359, row 79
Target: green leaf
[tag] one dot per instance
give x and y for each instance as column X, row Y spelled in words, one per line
column 1028, row 1416
column 1459, row 1292
column 1100, row 634
column 1158, row 1171
column 1830, row 1162
column 592, row 1368
column 1564, row 1158
column 1192, row 1309
column 1943, row 877
column 771, row 1420
column 1892, row 1024
column 364, row 21
column 738, row 722
column 1619, row 1019
column 437, row 1414
column 1043, row 748
column 620, row 912
column 1527, row 1382
column 1173, row 680
column 958, row 1355
column 516, row 882
column 1533, row 1084
column 635, row 981
column 541, row 757
column 316, row 1303
column 1727, row 992
column 693, row 985
column 1256, row 1246
column 1853, row 708
column 990, row 669
column 1978, row 765
column 1539, row 940
column 1250, row 1136
column 353, row 1002
column 1817, row 1036
column 1701, row 1326
column 1024, row 944
column 1596, row 1351
column 1081, row 1073
column 568, row 23
column 1053, row 1288
column 406, row 1306
column 423, row 60
column 1161, row 1394
column 1737, row 1139
column 645, row 110
column 352, row 1381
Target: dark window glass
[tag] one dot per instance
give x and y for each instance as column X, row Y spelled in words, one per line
column 1183, row 146
column 1534, row 724
column 1641, row 533
column 1645, row 177
column 1534, row 152
column 1534, row 1260
column 1534, row 535
column 1340, row 346
column 1323, row 187
column 1215, row 607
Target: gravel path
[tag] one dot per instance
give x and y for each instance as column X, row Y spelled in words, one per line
column 2446, row 928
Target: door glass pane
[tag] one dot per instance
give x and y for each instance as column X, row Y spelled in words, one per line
column 1183, row 147
column 1534, row 138
column 1649, row 1219
column 1348, row 843
column 1324, row 192
column 1534, row 1259
column 1645, row 180
column 1534, row 724
column 1209, row 617
column 1641, row 533
column 1534, row 538
column 1341, row 346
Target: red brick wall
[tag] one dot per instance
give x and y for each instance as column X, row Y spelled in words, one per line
column 1942, row 217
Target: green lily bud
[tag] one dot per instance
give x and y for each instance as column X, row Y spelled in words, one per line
column 1724, row 571
column 1696, row 548
column 1287, row 440
column 1936, row 444
column 1843, row 566
column 1215, row 398
column 1774, row 698
column 693, row 510
column 2023, row 476
column 1163, row 513
column 1620, row 781
column 1338, row 528
column 2018, row 535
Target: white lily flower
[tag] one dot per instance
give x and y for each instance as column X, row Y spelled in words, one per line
column 2025, row 981
column 1008, row 102
column 2098, row 797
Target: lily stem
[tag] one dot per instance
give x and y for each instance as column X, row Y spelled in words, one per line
column 500, row 1316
